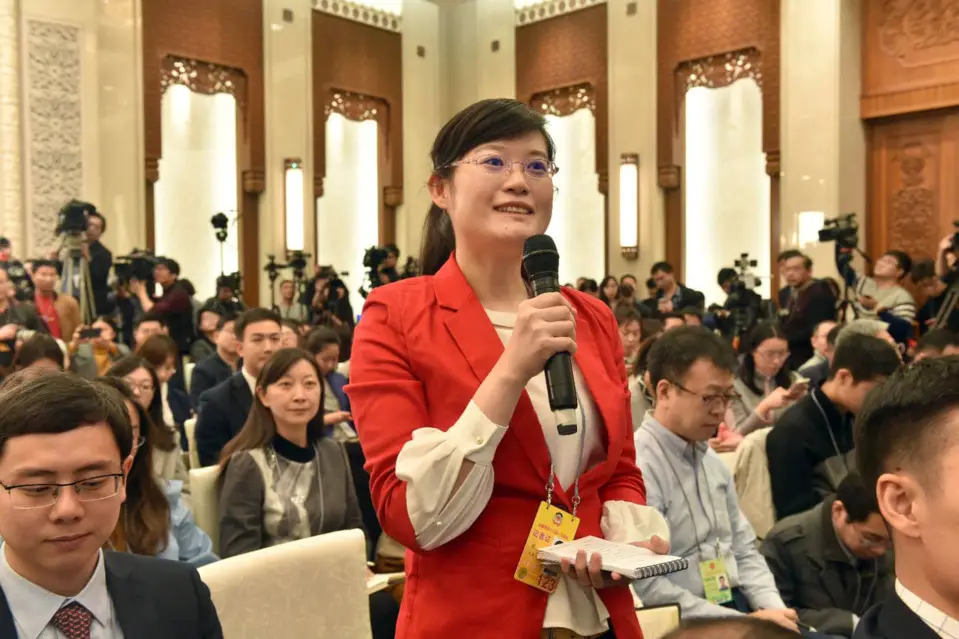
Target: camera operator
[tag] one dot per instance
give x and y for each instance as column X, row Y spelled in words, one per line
column 288, row 307
column 882, row 294
column 936, row 289
column 804, row 303
column 388, row 266
column 226, row 302
column 173, row 306
column 100, row 260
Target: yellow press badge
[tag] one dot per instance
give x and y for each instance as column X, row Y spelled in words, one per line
column 552, row 526
column 716, row 581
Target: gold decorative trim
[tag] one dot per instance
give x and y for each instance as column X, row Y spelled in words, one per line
column 565, row 100
column 355, row 106
column 203, row 77
column 358, row 12
column 552, row 9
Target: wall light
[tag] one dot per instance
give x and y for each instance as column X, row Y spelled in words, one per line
column 629, row 205
column 293, row 208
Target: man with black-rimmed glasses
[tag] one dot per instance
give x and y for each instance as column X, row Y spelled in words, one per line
column 65, row 450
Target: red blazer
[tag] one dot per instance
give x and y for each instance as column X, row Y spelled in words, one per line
column 419, row 354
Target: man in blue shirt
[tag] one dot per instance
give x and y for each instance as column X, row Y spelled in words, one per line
column 691, row 374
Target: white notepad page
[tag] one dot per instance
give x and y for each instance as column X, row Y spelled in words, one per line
column 625, row 559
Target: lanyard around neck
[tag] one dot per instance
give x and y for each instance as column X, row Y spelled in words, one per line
column 551, row 482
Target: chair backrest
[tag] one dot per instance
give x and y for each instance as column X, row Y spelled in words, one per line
column 188, row 373
column 189, row 426
column 658, row 621
column 753, row 486
column 204, row 498
column 263, row 593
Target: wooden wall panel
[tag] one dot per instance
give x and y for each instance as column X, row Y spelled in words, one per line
column 913, row 195
column 910, row 56
column 228, row 33
column 366, row 60
column 564, row 51
column 694, row 30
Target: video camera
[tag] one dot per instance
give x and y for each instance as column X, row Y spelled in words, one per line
column 745, row 306
column 843, row 230
column 72, row 219
column 137, row 265
column 373, row 260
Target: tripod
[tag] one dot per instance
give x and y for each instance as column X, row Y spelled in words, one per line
column 847, row 303
column 948, row 304
column 76, row 277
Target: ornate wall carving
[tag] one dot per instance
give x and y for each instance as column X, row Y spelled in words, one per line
column 565, row 100
column 54, row 121
column 712, row 43
column 357, row 71
column 561, row 62
column 358, row 12
column 912, row 196
column 910, row 56
column 551, row 9
column 211, row 46
column 11, row 184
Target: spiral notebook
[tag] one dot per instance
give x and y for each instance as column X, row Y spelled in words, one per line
column 630, row 561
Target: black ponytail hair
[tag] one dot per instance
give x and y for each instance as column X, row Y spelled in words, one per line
column 480, row 123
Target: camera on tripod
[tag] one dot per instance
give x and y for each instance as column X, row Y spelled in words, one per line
column 72, row 219
column 843, row 230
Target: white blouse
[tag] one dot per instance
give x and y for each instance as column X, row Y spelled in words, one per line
column 430, row 463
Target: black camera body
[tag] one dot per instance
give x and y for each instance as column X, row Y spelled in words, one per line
column 137, row 265
column 72, row 218
column 843, row 230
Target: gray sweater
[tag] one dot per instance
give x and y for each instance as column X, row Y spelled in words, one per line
column 273, row 495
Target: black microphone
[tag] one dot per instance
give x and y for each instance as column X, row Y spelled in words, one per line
column 541, row 270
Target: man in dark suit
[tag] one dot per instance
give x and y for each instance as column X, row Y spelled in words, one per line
column 64, row 458
column 673, row 297
column 219, row 367
column 101, row 261
column 907, row 450
column 223, row 409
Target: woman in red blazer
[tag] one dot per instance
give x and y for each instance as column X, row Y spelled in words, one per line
column 450, row 404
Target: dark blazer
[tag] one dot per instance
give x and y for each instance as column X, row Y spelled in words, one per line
column 817, row 578
column 153, row 599
column 223, row 411
column 893, row 620
column 688, row 298
column 207, row 374
column 800, row 311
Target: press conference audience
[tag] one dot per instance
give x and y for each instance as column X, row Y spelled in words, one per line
column 174, row 304
column 65, row 453
column 147, row 325
column 283, row 479
column 765, row 386
column 154, row 519
column 288, row 307
column 324, row 345
column 224, row 408
column 830, row 562
column 810, row 448
column 93, row 357
column 59, row 312
column 142, row 379
column 161, row 352
column 936, row 343
column 935, row 290
column 804, row 302
column 907, row 450
column 672, row 296
column 290, row 333
column 816, row 370
column 217, row 368
column 609, row 290
column 820, row 345
column 206, row 325
column 100, row 262
column 691, row 372
column 881, row 295
column 41, row 351
column 730, row 628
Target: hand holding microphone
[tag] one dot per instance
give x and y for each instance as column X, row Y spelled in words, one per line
column 545, row 326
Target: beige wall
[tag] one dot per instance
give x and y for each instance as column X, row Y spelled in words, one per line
column 100, row 156
column 823, row 143
column 422, row 116
column 288, row 93
column 632, row 129
column 12, row 222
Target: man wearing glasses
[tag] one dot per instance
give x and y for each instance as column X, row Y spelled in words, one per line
column 691, row 374
column 65, row 450
column 810, row 448
column 830, row 563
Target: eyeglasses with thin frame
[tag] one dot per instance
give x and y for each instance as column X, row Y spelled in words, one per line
column 143, row 387
column 710, row 400
column 537, row 168
column 31, row 496
column 873, row 541
column 771, row 356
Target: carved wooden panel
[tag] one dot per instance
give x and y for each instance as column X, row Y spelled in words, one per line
column 910, row 56
column 913, row 196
